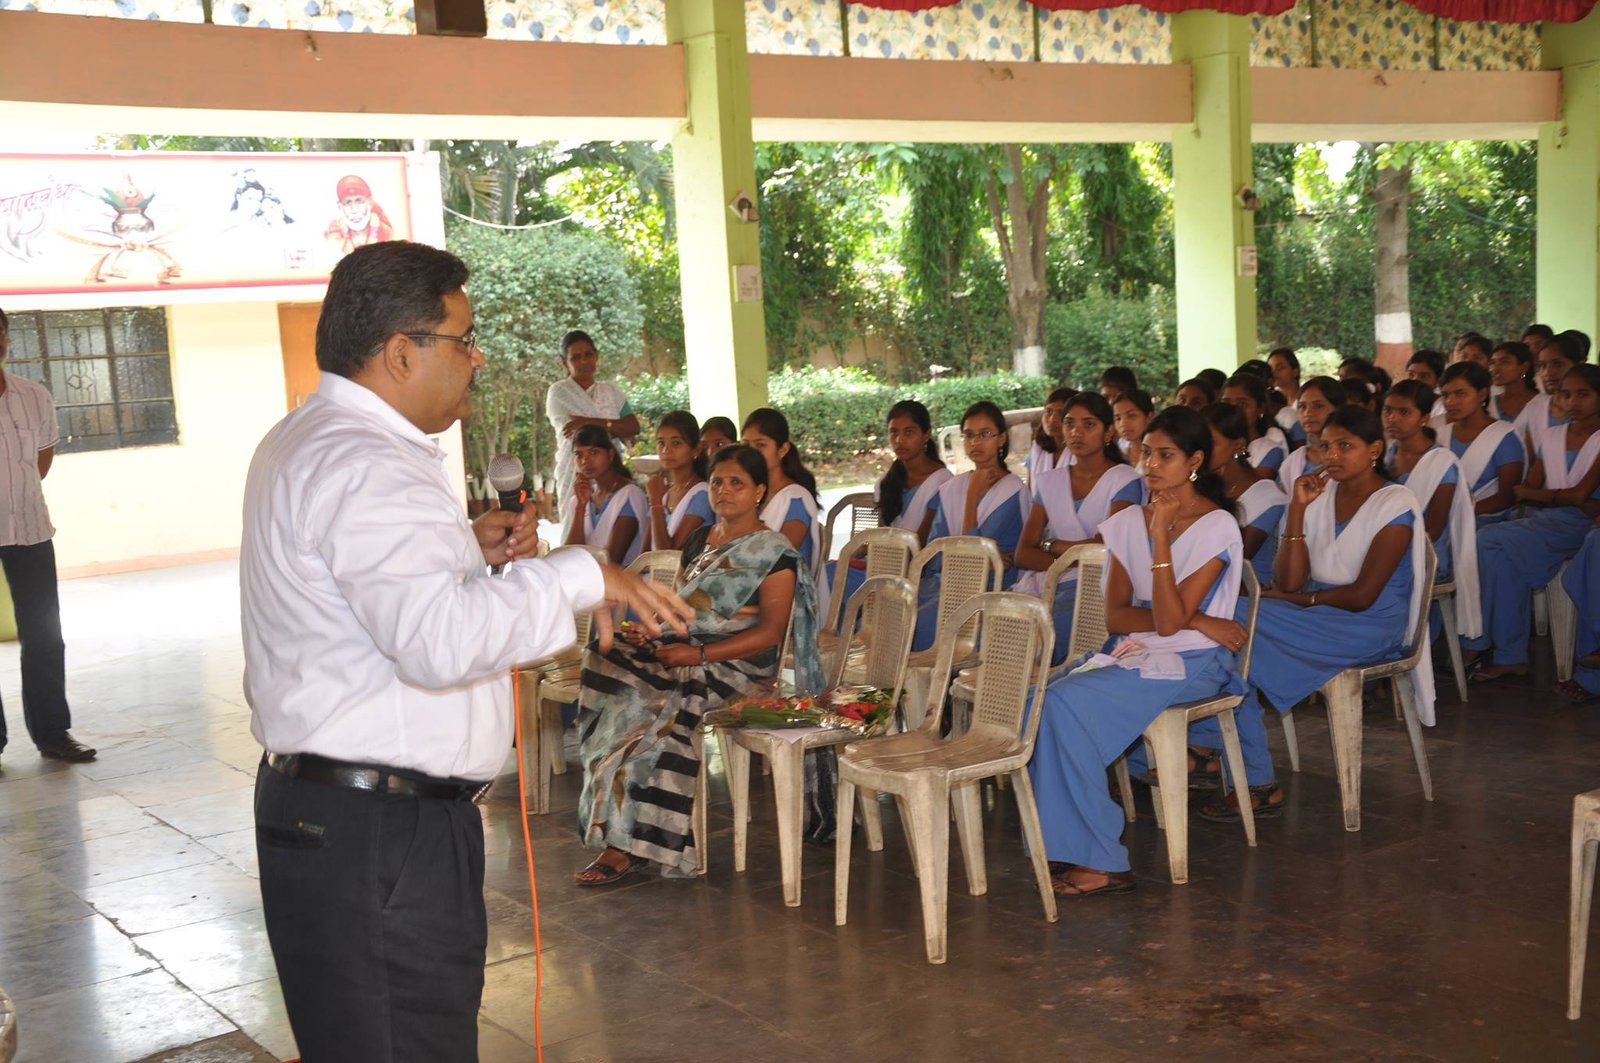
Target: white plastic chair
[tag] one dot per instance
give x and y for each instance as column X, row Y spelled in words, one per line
column 970, row 565
column 1166, row 745
column 1585, row 843
column 858, row 510
column 1445, row 595
column 893, row 603
column 1343, row 696
column 932, row 777
column 1563, row 624
column 886, row 552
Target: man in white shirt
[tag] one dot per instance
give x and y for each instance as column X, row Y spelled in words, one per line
column 28, row 440
column 378, row 651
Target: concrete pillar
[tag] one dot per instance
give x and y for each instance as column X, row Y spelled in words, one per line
column 1216, row 287
column 1568, row 202
column 713, row 161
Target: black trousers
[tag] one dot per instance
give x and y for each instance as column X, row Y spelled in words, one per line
column 31, row 572
column 374, row 908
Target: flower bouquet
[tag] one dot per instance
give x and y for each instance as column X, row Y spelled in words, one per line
column 863, row 711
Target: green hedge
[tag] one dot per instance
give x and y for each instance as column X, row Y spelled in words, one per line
column 838, row 413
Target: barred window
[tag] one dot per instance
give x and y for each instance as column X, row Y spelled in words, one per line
column 108, row 370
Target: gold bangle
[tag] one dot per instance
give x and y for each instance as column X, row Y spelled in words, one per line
column 1160, row 564
column 1291, row 538
column 1313, row 597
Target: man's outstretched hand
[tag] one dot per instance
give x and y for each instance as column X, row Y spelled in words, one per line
column 655, row 606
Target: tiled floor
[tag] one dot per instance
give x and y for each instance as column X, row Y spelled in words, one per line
column 130, row 924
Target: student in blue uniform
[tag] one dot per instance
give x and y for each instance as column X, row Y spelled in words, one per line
column 1491, row 454
column 679, row 500
column 1582, row 584
column 791, row 503
column 1268, row 445
column 611, row 507
column 1259, row 503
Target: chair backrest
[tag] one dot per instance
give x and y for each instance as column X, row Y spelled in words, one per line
column 1252, row 590
column 1089, row 610
column 892, row 601
column 1016, row 637
column 970, row 565
column 584, row 621
column 658, row 566
column 888, row 553
column 857, row 511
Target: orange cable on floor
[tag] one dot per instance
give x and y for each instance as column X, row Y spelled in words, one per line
column 527, row 842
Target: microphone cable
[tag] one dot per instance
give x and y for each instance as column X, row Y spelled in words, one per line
column 527, row 843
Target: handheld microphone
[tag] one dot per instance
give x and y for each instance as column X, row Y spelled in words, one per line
column 505, row 476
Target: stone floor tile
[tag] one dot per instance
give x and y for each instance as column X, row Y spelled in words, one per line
column 214, row 954
column 257, row 1009
column 169, row 899
column 115, row 1021
column 119, row 857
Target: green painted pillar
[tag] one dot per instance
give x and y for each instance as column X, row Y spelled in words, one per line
column 1567, row 285
column 1216, row 292
column 713, row 162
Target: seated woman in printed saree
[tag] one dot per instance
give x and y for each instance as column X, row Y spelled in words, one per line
column 1490, row 452
column 1319, row 397
column 1070, row 502
column 611, row 507
column 990, row 501
column 1433, row 474
column 1516, row 557
column 1581, row 581
column 1345, row 588
column 1259, row 504
column 1049, row 448
column 1268, row 446
column 679, row 500
column 1171, row 585
column 642, row 702
column 1132, row 412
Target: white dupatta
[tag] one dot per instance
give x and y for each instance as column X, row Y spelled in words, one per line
column 1065, row 520
column 1558, row 475
column 1422, row 483
column 914, row 507
column 1477, row 456
column 773, row 513
column 1336, row 560
column 953, row 500
column 1128, row 540
column 1041, row 460
column 1293, row 467
column 1259, row 448
column 1257, row 499
column 597, row 527
column 675, row 515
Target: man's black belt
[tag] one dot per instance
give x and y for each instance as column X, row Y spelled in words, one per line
column 378, row 780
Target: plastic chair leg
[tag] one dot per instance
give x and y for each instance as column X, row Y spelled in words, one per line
column 1125, row 789
column 1563, row 626
column 1343, row 694
column 702, row 798
column 1541, row 612
column 1584, row 850
column 1291, row 740
column 736, row 764
column 871, row 819
column 788, row 783
column 1166, row 738
column 1033, row 834
column 1235, row 755
column 930, row 824
column 1406, row 698
column 843, row 825
column 904, row 807
column 554, row 734
column 967, row 801
column 1452, row 641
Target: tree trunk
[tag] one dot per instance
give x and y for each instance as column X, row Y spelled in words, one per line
column 1391, row 273
column 1019, row 224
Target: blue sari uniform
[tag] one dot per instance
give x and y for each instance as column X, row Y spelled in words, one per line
column 1090, row 718
column 1582, row 583
column 1483, row 469
column 1261, row 507
column 1441, row 545
column 1001, row 513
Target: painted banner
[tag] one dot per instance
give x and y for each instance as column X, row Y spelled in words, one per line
column 164, row 221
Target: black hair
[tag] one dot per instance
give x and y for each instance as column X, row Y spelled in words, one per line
column 1329, row 388
column 1141, row 400
column 1524, row 356
column 721, row 425
column 1042, row 439
column 985, row 408
column 775, row 426
column 747, row 458
column 596, row 435
column 1476, row 376
column 892, row 488
column 1230, row 423
column 1100, row 410
column 1574, row 343
column 1589, row 373
column 1366, row 426
column 577, row 335
column 1288, row 355
column 1214, row 377
column 1255, row 367
column 1258, row 394
column 1192, row 435
column 1120, row 377
column 1204, row 385
column 1544, row 332
column 1358, row 392
column 1434, row 360
column 1478, row 343
column 1419, row 395
column 378, row 290
column 1380, row 379
column 683, row 422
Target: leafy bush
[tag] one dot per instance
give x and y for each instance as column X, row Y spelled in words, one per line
column 1101, row 329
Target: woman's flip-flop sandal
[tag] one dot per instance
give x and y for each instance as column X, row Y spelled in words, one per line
column 1116, row 882
column 1575, row 694
column 1261, row 804
column 608, row 874
column 1483, row 674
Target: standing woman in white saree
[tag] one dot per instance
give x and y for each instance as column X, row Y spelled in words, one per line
column 1070, row 502
column 1491, row 454
column 1516, row 557
column 611, row 507
column 990, row 500
column 679, row 499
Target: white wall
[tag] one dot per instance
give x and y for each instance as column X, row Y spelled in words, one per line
column 124, row 507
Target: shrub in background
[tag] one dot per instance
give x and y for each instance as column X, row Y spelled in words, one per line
column 1101, row 329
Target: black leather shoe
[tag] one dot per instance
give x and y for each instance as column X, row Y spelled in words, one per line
column 67, row 748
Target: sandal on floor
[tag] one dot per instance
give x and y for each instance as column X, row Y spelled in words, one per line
column 1481, row 674
column 1574, row 693
column 1265, row 801
column 1205, row 771
column 1116, row 882
column 609, row 874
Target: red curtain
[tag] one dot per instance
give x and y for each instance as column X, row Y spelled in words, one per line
column 1460, row 10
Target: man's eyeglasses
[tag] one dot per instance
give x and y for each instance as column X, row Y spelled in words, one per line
column 469, row 339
